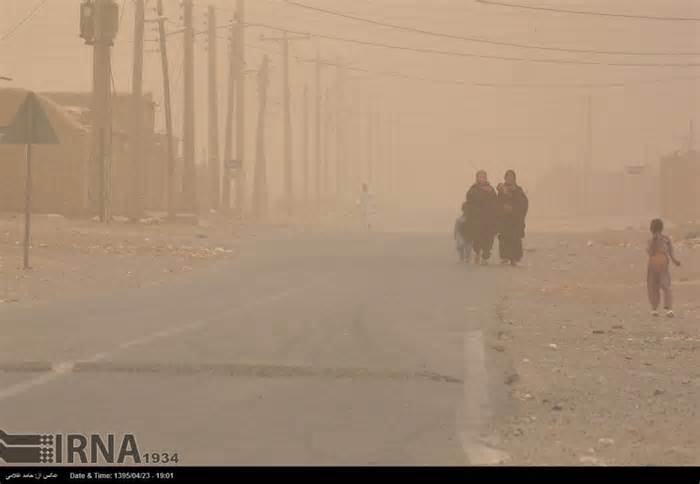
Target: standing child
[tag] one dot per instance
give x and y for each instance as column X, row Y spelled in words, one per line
column 660, row 250
column 462, row 239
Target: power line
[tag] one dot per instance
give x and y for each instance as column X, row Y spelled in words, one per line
column 591, row 13
column 24, row 20
column 458, row 82
column 480, row 39
column 522, row 85
column 450, row 53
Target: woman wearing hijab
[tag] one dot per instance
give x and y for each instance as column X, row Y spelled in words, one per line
column 513, row 206
column 482, row 213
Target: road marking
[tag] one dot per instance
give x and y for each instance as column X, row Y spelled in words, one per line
column 476, row 409
column 65, row 368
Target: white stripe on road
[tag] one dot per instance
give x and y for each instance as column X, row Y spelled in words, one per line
column 65, row 368
column 476, row 409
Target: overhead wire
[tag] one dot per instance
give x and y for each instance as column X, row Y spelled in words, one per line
column 482, row 40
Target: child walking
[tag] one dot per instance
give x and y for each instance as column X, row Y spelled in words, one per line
column 461, row 235
column 660, row 250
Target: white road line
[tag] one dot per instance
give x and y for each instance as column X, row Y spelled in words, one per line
column 65, row 368
column 476, row 409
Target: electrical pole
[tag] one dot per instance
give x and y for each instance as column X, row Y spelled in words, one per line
column 588, row 154
column 135, row 201
column 239, row 42
column 189, row 178
column 370, row 143
column 317, row 137
column 340, row 171
column 260, row 175
column 228, row 136
column 288, row 169
column 305, row 152
column 168, row 111
column 214, row 163
column 286, row 94
column 98, row 33
column 327, row 129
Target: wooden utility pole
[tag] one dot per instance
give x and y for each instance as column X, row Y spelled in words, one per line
column 305, row 152
column 286, row 95
column 370, row 144
column 260, row 175
column 317, row 137
column 135, row 201
column 327, row 130
column 340, row 171
column 100, row 179
column 214, row 162
column 288, row 169
column 240, row 108
column 189, row 177
column 168, row 110
column 228, row 135
column 588, row 155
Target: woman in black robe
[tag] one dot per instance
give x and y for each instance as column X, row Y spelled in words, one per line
column 482, row 214
column 513, row 206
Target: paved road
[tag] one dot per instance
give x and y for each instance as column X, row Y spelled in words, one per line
column 321, row 349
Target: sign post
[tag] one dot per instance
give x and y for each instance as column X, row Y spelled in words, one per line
column 30, row 126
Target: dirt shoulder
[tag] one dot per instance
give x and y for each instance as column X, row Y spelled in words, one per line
column 72, row 257
column 597, row 380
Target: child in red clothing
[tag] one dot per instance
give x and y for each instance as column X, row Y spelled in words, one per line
column 660, row 250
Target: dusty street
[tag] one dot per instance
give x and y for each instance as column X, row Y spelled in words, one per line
column 330, row 348
column 358, row 349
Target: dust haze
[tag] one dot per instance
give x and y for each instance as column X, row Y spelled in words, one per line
column 288, row 251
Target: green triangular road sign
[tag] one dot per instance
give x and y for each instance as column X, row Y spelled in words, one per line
column 30, row 125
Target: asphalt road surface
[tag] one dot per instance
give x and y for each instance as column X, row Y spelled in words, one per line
column 320, row 349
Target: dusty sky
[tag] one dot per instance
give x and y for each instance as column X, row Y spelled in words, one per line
column 446, row 130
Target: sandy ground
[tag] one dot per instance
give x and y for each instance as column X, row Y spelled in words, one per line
column 598, row 380
column 75, row 256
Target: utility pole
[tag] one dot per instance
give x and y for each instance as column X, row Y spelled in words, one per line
column 317, row 138
column 370, row 143
column 239, row 42
column 99, row 22
column 260, row 176
column 327, row 130
column 305, row 152
column 340, row 171
column 189, row 177
column 286, row 94
column 228, row 136
column 588, row 154
column 168, row 110
column 135, row 201
column 214, row 163
column 288, row 169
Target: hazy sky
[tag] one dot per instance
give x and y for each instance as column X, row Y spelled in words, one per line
column 447, row 130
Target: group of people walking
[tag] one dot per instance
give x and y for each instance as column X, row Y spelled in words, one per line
column 489, row 212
